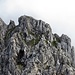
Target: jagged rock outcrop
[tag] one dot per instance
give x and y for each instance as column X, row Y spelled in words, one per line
column 30, row 48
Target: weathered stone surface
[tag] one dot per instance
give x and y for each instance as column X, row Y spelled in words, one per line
column 67, row 41
column 11, row 24
column 30, row 48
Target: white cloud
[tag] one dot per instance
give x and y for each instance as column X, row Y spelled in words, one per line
column 60, row 14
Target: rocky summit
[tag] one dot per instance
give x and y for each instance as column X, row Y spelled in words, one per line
column 30, row 48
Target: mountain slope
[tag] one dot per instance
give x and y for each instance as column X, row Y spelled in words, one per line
column 30, row 48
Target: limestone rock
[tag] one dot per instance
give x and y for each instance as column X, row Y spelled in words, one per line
column 11, row 24
column 30, row 48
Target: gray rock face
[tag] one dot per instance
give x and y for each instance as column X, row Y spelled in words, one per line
column 11, row 24
column 65, row 39
column 3, row 28
column 31, row 48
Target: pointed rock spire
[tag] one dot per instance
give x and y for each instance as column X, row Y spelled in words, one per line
column 11, row 24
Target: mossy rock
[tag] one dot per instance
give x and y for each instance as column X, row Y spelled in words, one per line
column 20, row 66
column 29, row 32
column 54, row 43
column 7, row 35
column 33, row 42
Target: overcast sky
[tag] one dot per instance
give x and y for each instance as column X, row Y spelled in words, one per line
column 60, row 14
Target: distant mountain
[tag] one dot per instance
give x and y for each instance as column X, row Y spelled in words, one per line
column 30, row 48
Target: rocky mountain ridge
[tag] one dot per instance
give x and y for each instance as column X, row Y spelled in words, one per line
column 30, row 48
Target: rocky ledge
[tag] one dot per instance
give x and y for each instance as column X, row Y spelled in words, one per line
column 30, row 48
